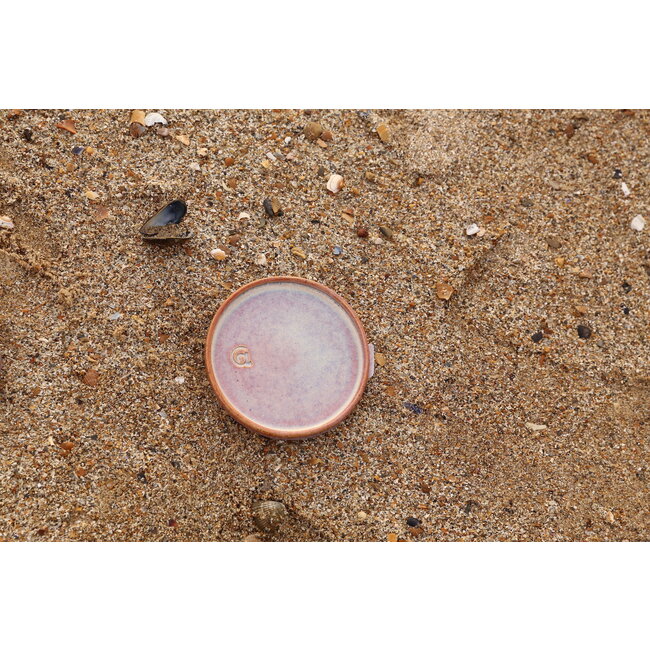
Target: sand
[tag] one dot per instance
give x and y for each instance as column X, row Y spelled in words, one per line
column 110, row 429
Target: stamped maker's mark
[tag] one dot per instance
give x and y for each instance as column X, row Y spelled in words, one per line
column 241, row 357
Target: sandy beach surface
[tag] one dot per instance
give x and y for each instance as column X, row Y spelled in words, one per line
column 512, row 397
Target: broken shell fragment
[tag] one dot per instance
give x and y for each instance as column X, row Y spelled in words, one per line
column 268, row 515
column 272, row 207
column 335, row 183
column 6, row 222
column 218, row 254
column 137, row 117
column 154, row 118
column 164, row 225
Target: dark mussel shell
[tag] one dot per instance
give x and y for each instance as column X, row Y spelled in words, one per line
column 165, row 224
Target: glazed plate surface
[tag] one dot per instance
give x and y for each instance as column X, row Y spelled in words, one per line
column 287, row 357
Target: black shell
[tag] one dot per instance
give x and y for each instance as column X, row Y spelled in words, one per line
column 158, row 226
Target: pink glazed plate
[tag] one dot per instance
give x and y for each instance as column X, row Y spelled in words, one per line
column 287, row 357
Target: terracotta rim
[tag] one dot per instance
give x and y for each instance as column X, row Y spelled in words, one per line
column 280, row 433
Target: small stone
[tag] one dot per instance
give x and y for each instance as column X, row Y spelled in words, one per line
column 361, row 515
column 618, row 173
column 327, row 136
column 627, row 287
column 554, row 242
column 535, row 427
column 337, row 250
column 68, row 445
column 67, row 125
column 162, row 131
column 272, row 207
column 229, row 162
column 537, row 337
column 584, row 331
column 386, row 232
column 626, row 189
column 218, row 254
column 526, row 202
column 371, row 177
column 6, row 222
column 194, row 166
column 90, row 195
column 313, row 131
column 115, row 316
column 299, row 252
column 91, row 378
column 638, row 223
column 233, row 240
column 202, row 152
column 252, row 538
column 137, row 117
column 154, row 118
column 472, row 230
column 392, row 537
column 380, row 359
column 362, row 232
column 418, row 410
column 183, row 139
column 136, row 129
column 28, row 135
column 179, row 380
column 384, row 133
column 444, row 290
column 78, row 150
column 260, row 259
column 413, row 522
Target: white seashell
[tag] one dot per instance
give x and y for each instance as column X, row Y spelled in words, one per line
column 626, row 189
column 218, row 254
column 154, row 118
column 260, row 259
column 335, row 183
column 535, row 427
column 471, row 230
column 6, row 222
column 638, row 223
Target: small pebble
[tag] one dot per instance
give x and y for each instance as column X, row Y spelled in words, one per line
column 537, row 337
column 584, row 331
column 472, row 230
column 626, row 189
column 78, row 150
column 362, row 232
column 91, row 196
column 218, row 254
column 554, row 242
column 115, row 316
column 380, row 359
column 195, row 166
column 626, row 287
column 162, row 131
column 386, row 232
column 313, row 131
column 638, row 223
column 229, row 162
column 154, row 118
column 535, row 427
column 392, row 537
column 335, row 183
column 618, row 173
column 526, row 202
column 299, row 252
column 179, row 380
column 444, row 290
column 361, row 515
column 183, row 139
column 337, row 250
column 91, row 378
column 260, row 259
column 327, row 136
column 28, row 135
column 377, row 240
column 136, row 129
column 413, row 522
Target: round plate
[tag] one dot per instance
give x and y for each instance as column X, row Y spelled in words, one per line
column 287, row 357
